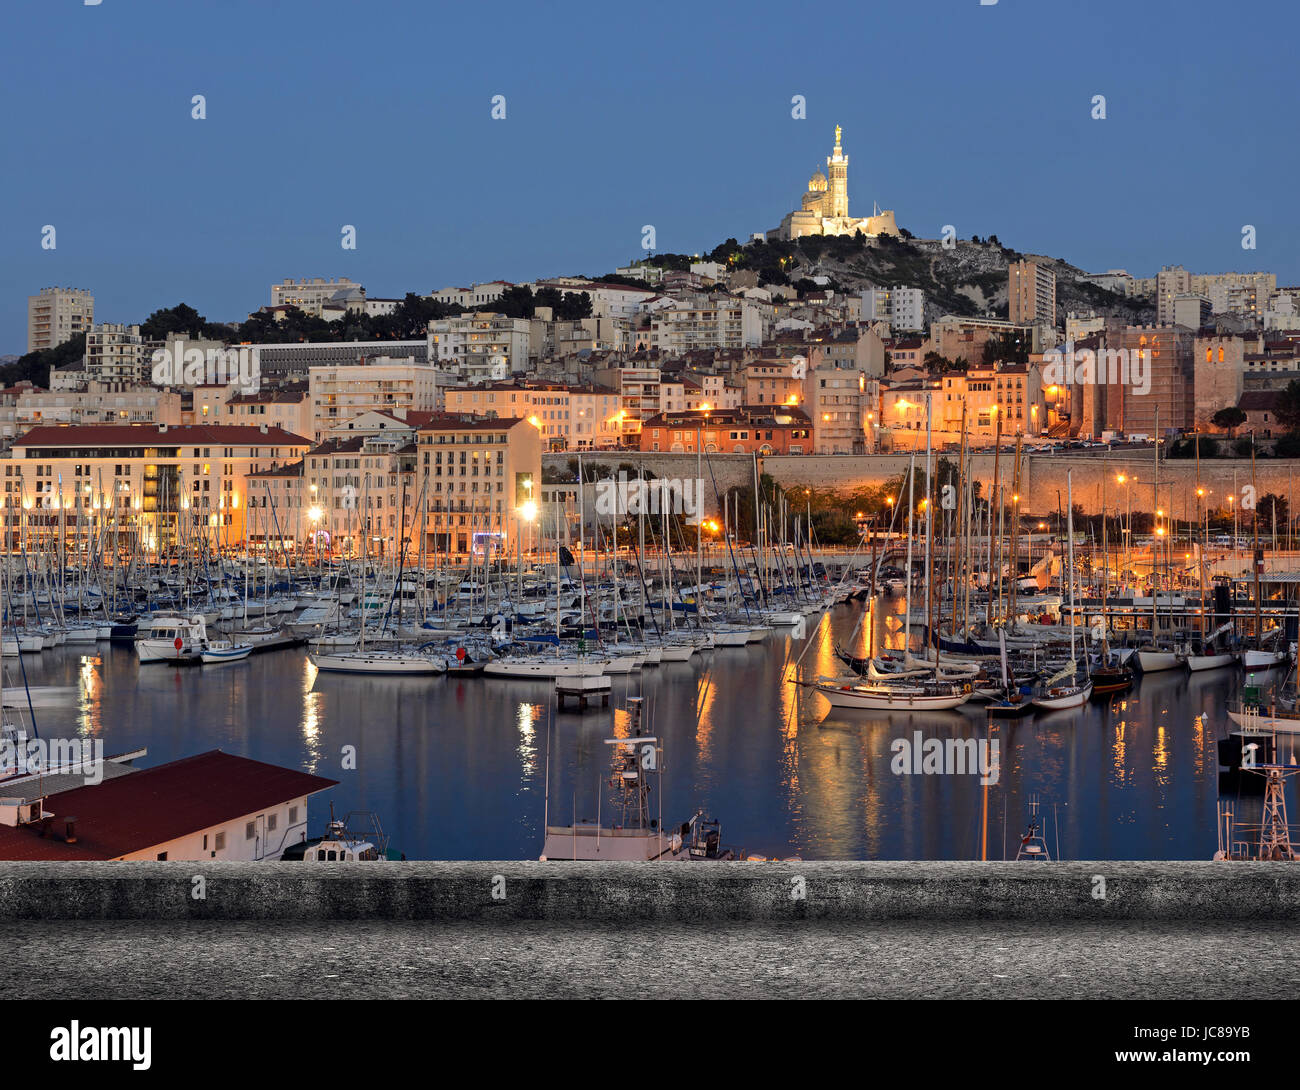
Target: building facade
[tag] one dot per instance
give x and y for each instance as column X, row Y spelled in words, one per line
column 56, row 315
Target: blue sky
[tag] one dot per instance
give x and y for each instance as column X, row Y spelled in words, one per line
column 377, row 114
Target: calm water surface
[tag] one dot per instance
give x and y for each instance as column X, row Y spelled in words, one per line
column 457, row 769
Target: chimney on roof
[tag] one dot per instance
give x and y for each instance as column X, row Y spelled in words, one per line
column 70, row 830
column 262, row 428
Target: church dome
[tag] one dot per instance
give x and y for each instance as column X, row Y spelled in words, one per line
column 817, row 183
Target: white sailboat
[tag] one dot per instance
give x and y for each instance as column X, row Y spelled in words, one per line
column 1056, row 694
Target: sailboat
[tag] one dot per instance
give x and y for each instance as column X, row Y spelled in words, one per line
column 1269, row 650
column 1109, row 677
column 363, row 661
column 1071, row 694
column 1012, row 702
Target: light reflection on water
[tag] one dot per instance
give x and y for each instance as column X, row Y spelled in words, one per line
column 458, row 768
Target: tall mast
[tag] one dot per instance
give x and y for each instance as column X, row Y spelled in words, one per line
column 1069, row 551
column 1255, row 555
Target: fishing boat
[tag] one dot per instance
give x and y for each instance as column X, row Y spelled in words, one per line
column 172, row 638
column 636, row 836
column 1033, row 845
column 358, row 838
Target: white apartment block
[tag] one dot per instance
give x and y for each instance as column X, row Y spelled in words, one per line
column 902, row 308
column 480, row 347
column 339, row 392
column 57, row 315
column 99, row 404
column 724, row 324
column 311, row 296
column 621, row 301
column 1228, row 293
column 118, row 355
column 476, row 295
column 1078, row 326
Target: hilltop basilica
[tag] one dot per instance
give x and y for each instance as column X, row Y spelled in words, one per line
column 825, row 208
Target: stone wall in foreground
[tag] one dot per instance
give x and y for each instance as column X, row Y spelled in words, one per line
column 670, row 891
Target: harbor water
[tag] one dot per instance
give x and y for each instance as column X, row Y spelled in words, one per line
column 468, row 768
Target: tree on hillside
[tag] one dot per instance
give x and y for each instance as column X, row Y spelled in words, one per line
column 36, row 366
column 1229, row 418
column 1006, row 349
column 1186, row 448
column 1287, row 408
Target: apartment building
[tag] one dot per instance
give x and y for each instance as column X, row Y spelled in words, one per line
column 315, row 295
column 56, row 315
column 289, row 408
column 751, row 429
column 100, row 403
column 476, row 295
column 339, row 392
column 359, row 495
column 293, row 361
column 480, row 347
column 156, row 484
column 775, row 380
column 1010, row 392
column 841, row 402
column 639, row 396
column 577, row 417
column 481, row 477
column 1031, row 293
column 902, row 308
column 119, row 355
column 727, row 323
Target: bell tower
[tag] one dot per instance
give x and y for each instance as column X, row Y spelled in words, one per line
column 837, row 174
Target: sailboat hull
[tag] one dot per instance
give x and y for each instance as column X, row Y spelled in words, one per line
column 1151, row 662
column 1070, row 696
column 889, row 698
column 1209, row 662
column 1254, row 659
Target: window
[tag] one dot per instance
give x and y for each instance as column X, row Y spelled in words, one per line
column 293, row 815
column 271, row 820
column 162, row 857
column 219, row 841
column 250, row 830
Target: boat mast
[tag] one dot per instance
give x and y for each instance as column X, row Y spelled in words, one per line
column 907, row 615
column 1069, row 549
column 1255, row 561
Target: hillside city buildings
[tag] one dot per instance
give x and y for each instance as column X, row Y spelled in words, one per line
column 434, row 440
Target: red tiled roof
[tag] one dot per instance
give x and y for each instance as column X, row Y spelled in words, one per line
column 1259, row 400
column 133, row 435
column 135, row 812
